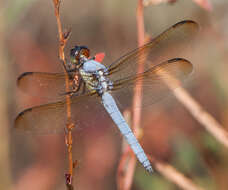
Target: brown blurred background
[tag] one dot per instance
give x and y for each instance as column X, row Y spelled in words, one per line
column 29, row 42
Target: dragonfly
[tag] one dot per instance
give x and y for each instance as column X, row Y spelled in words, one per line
column 105, row 90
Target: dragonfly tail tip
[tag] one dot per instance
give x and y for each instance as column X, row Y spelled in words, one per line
column 150, row 170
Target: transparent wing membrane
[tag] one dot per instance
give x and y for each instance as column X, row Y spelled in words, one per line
column 52, row 118
column 48, row 85
column 157, row 82
column 167, row 45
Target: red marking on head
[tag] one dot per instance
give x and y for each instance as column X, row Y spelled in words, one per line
column 99, row 57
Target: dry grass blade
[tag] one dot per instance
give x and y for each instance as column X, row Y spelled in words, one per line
column 208, row 122
column 174, row 176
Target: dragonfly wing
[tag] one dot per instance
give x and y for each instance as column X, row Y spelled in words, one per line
column 48, row 85
column 167, row 45
column 52, row 118
column 157, row 82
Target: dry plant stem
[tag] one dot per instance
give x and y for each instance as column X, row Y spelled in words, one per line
column 120, row 178
column 138, row 90
column 62, row 43
column 128, row 175
column 211, row 125
column 124, row 179
column 174, row 176
column 130, row 171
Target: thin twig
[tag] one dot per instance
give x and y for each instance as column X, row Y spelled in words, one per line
column 63, row 37
column 173, row 175
column 120, row 178
column 127, row 174
column 195, row 109
column 202, row 116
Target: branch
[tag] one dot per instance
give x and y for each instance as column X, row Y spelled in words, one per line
column 126, row 169
column 173, row 175
column 63, row 37
column 202, row 116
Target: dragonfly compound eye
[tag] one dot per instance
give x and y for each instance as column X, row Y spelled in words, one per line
column 77, row 52
column 84, row 51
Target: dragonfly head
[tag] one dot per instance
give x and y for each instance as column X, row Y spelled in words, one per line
column 78, row 54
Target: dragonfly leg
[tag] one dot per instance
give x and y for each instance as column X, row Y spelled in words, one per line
column 83, row 88
column 68, row 66
column 76, row 88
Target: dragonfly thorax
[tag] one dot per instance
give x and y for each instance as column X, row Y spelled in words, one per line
column 95, row 77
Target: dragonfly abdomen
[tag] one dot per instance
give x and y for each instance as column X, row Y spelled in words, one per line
column 112, row 109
